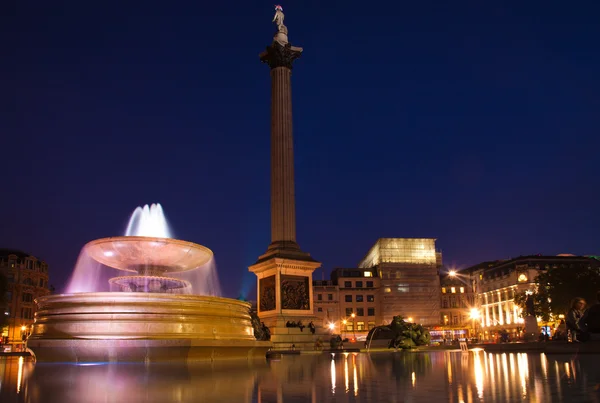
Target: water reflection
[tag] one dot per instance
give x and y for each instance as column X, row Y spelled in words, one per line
column 416, row 377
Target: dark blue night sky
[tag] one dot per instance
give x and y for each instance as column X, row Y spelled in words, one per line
column 474, row 122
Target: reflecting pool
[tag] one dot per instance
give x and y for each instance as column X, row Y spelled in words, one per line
column 475, row 376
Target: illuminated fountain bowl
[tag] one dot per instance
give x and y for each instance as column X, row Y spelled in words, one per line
column 140, row 254
column 150, row 320
column 143, row 327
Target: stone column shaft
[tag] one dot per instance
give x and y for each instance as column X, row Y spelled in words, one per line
column 283, row 208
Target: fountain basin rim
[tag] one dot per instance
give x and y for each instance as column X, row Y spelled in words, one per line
column 82, row 297
column 140, row 252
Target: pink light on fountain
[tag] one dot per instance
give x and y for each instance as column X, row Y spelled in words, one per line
column 160, row 262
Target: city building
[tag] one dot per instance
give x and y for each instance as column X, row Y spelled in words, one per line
column 350, row 303
column 496, row 284
column 408, row 272
column 27, row 280
column 458, row 312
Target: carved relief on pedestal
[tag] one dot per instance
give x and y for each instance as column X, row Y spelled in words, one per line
column 294, row 292
column 267, row 294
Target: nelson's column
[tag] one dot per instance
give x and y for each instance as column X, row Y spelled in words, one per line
column 284, row 272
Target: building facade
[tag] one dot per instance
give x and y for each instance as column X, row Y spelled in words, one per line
column 497, row 285
column 350, row 303
column 27, row 280
column 458, row 311
column 410, row 285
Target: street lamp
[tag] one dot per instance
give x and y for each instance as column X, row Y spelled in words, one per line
column 475, row 315
column 452, row 273
column 344, row 322
column 353, row 325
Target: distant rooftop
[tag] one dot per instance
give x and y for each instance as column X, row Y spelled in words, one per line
column 400, row 250
column 5, row 253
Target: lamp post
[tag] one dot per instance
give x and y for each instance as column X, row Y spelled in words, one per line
column 344, row 322
column 353, row 325
column 23, row 337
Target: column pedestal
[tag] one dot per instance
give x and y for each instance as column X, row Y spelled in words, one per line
column 284, row 295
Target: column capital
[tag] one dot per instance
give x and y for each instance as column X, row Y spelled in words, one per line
column 280, row 55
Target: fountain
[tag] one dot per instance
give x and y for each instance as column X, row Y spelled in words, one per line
column 150, row 314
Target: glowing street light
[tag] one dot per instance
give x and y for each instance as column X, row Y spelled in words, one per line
column 332, row 326
column 452, row 273
column 410, row 319
column 475, row 315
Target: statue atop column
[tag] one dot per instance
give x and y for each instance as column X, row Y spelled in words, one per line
column 278, row 19
column 281, row 34
column 280, row 53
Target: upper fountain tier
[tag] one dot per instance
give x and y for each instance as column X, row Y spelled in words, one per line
column 148, row 255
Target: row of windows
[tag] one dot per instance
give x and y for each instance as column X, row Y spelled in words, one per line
column 360, row 311
column 320, row 297
column 27, row 281
column 29, row 264
column 26, row 313
column 404, row 288
column 25, row 297
column 349, row 327
column 503, row 296
column 359, row 298
column 359, row 284
column 453, row 290
column 456, row 320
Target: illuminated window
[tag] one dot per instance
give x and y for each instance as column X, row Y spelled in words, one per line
column 453, row 290
column 360, row 326
column 443, row 290
column 388, row 289
column 368, row 274
column 462, row 290
column 522, row 277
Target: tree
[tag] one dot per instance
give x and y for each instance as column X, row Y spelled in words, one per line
column 557, row 287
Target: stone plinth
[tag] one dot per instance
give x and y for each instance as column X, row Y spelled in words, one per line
column 284, row 294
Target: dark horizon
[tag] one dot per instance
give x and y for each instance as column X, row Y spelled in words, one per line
column 472, row 123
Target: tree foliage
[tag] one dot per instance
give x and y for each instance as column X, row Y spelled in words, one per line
column 557, row 287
